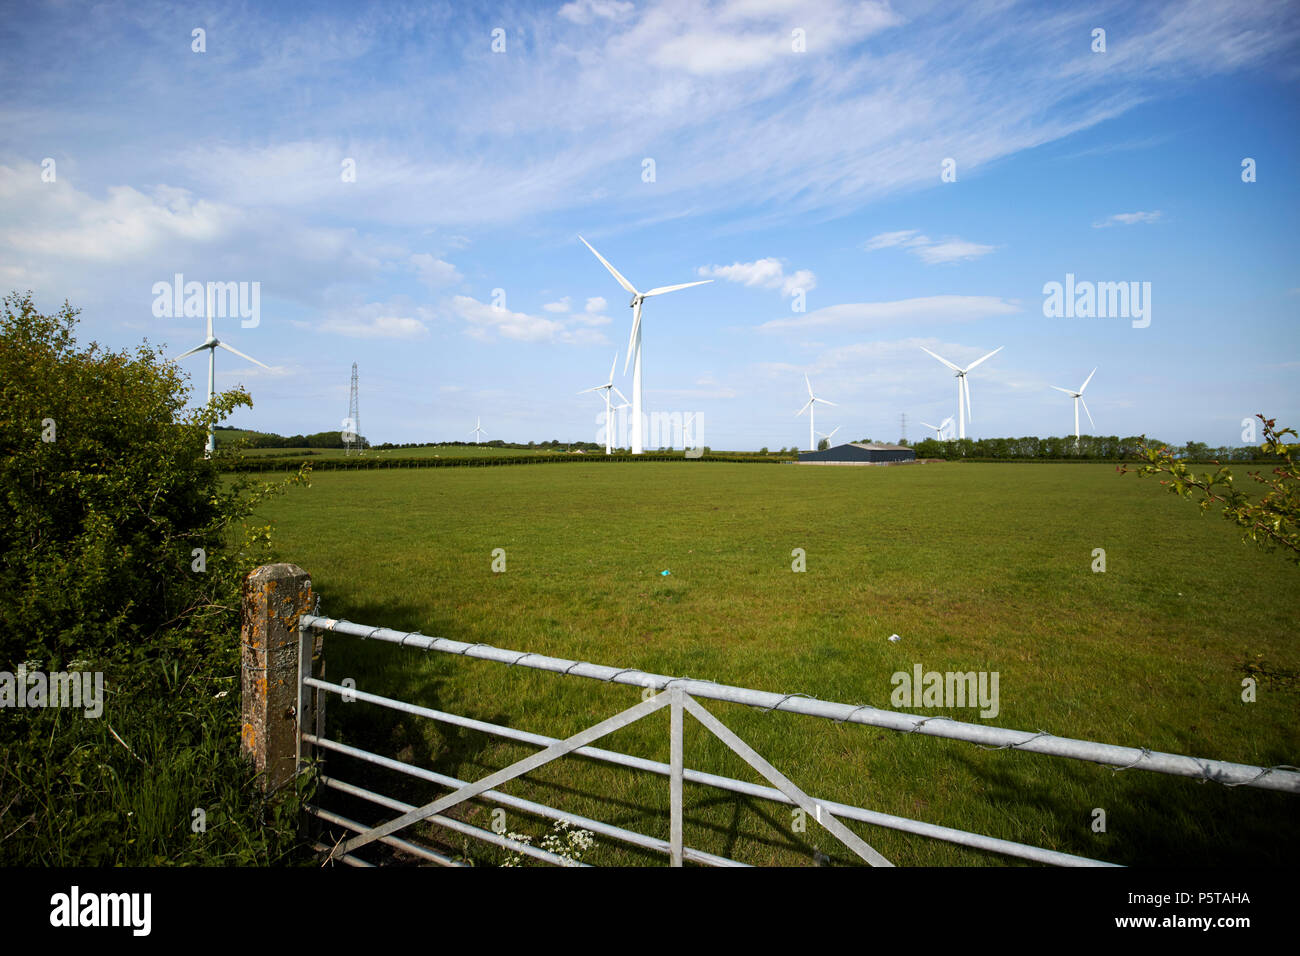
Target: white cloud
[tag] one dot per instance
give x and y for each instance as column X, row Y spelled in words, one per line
column 561, row 306
column 766, row 273
column 596, row 303
column 377, row 320
column 483, row 319
column 585, row 11
column 434, row 272
column 936, row 308
column 929, row 251
column 56, row 220
column 1128, row 219
column 377, row 327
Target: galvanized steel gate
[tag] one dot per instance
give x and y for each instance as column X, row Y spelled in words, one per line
column 682, row 696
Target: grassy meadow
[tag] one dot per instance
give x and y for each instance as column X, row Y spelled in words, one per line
column 982, row 567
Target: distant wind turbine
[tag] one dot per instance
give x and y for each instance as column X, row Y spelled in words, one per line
column 1078, row 399
column 811, row 408
column 963, row 386
column 478, row 432
column 212, row 343
column 686, row 430
column 830, row 434
column 634, row 343
column 608, row 387
column 939, row 429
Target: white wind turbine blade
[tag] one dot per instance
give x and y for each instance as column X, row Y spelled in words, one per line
column 197, row 348
column 1085, row 409
column 612, row 271
column 809, row 384
column 928, row 425
column 965, row 384
column 946, row 422
column 611, row 369
column 626, row 400
column 1067, row 391
column 594, row 388
column 243, row 356
column 673, row 288
column 940, row 358
column 806, row 406
column 824, row 402
column 984, row 359
column 1086, row 381
column 833, row 431
column 631, row 342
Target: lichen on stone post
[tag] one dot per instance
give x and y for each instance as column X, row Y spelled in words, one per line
column 274, row 597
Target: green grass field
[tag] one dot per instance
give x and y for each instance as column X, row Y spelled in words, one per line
column 976, row 567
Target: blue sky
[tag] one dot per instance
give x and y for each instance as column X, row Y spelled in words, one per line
column 775, row 170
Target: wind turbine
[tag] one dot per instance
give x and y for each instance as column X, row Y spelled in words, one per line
column 827, row 436
column 1078, row 398
column 212, row 343
column 609, row 411
column 939, row 429
column 963, row 386
column 686, row 430
column 477, row 432
column 634, row 343
column 811, row 408
column 619, row 408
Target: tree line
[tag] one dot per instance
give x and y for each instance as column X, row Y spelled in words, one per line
column 1085, row 448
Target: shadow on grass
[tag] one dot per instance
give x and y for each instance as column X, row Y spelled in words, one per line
column 1151, row 819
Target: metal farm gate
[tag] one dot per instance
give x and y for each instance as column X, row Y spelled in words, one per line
column 299, row 683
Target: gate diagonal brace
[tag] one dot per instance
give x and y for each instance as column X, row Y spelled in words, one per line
column 784, row 784
column 518, row 769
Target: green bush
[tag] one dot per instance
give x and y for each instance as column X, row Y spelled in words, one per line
column 105, row 497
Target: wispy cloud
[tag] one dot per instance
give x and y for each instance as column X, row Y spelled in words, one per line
column 927, row 309
column 1128, row 219
column 376, row 320
column 930, row 251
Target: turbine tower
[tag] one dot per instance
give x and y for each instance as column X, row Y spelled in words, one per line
column 634, row 343
column 963, row 386
column 1078, row 398
column 353, row 435
column 212, row 343
column 609, row 410
column 811, row 408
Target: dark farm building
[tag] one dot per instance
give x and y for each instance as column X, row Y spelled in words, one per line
column 856, row 453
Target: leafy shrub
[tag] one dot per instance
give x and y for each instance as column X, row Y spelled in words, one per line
column 105, row 495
